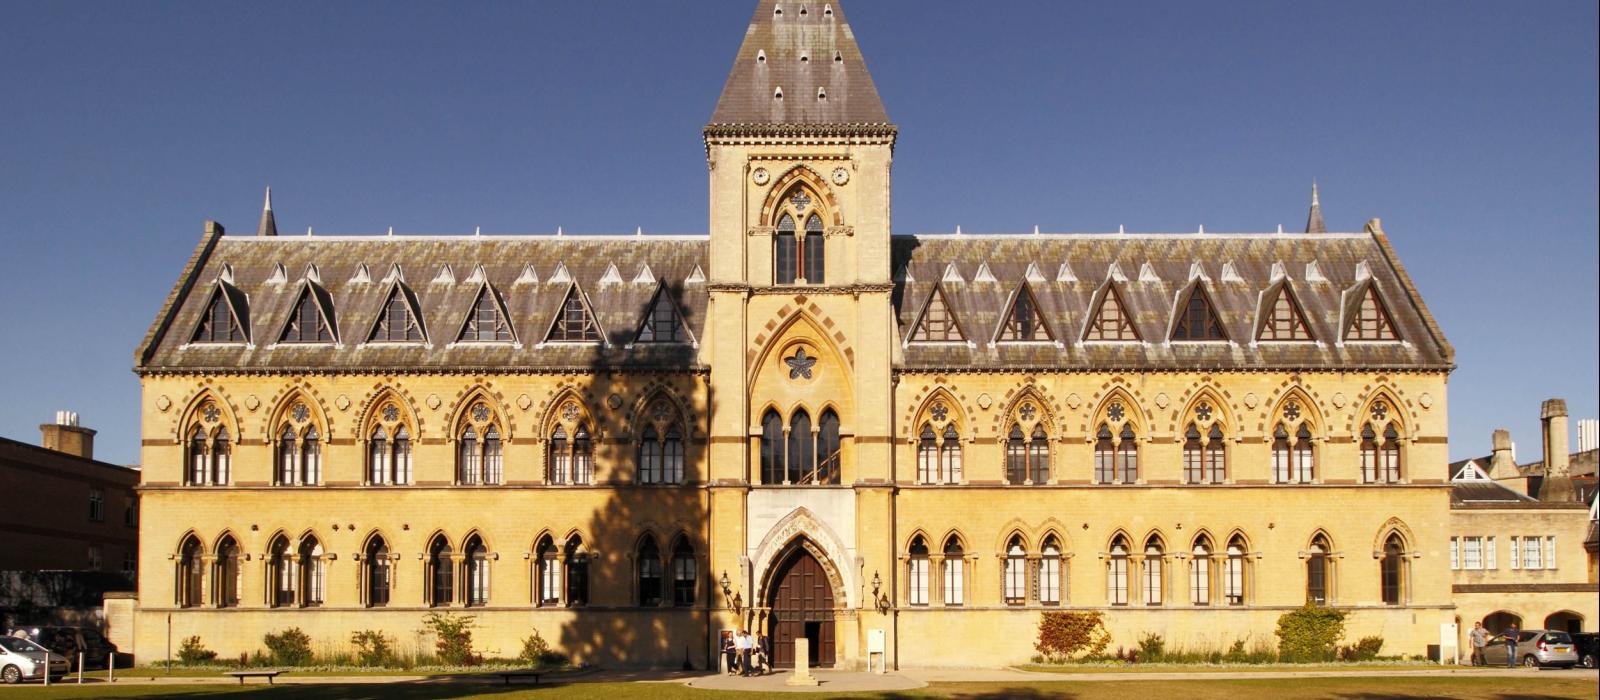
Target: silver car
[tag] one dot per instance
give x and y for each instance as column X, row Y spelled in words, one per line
column 1535, row 648
column 22, row 660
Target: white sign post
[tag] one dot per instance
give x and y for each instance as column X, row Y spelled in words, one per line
column 802, row 664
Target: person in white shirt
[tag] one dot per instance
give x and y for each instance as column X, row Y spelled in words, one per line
column 742, row 642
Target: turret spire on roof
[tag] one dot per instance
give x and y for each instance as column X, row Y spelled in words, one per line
column 814, row 56
column 269, row 225
column 1314, row 222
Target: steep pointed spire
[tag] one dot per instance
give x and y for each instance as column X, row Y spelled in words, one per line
column 1314, row 222
column 269, row 225
column 799, row 64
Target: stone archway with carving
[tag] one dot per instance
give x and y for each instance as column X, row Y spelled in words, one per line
column 802, row 528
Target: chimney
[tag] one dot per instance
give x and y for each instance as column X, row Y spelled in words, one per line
column 65, row 435
column 1502, row 457
column 1554, row 416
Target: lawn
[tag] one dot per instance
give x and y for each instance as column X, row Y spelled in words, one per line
column 1231, row 668
column 1464, row 688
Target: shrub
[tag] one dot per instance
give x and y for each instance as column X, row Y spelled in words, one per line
column 453, row 637
column 373, row 648
column 192, row 651
column 1310, row 634
column 537, row 652
column 290, row 647
column 1063, row 634
column 1151, row 646
column 1365, row 649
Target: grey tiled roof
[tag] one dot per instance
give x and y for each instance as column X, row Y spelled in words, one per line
column 833, row 63
column 1236, row 270
column 619, row 303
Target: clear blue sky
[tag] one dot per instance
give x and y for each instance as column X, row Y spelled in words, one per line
column 1470, row 128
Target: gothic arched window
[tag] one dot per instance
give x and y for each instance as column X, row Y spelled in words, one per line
column 955, row 567
column 1392, row 570
column 547, row 572
column 1234, row 571
column 683, row 574
column 478, row 449
column 441, row 573
column 313, row 572
column 227, row 573
column 649, row 571
column 1015, row 572
column 1117, row 572
column 772, row 449
column 827, row 449
column 190, row 574
column 802, row 460
column 375, row 568
column 1200, row 572
column 799, row 256
column 476, row 568
column 1050, row 571
column 917, row 572
column 1318, row 572
column 283, row 582
column 1155, row 581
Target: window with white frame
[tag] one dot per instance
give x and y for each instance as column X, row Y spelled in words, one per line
column 1117, row 573
column 1472, row 552
column 1050, row 573
column 917, row 572
column 1016, row 573
column 954, row 572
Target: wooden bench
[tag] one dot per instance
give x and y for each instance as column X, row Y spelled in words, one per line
column 241, row 675
column 508, row 675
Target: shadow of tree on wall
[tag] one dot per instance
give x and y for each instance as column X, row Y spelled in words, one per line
column 613, row 628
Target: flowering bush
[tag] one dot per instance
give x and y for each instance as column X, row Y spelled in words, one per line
column 1063, row 634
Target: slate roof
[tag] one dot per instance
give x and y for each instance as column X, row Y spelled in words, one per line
column 1326, row 272
column 771, row 58
column 355, row 273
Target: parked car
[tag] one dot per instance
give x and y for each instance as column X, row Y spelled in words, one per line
column 22, row 660
column 70, row 641
column 1588, row 648
column 1535, row 648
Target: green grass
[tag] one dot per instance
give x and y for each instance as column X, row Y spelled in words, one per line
column 1450, row 687
column 1158, row 667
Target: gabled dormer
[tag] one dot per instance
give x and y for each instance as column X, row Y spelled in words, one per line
column 1022, row 321
column 663, row 323
column 936, row 323
column 1109, row 318
column 1366, row 316
column 227, row 317
column 1195, row 317
column 400, row 319
column 574, row 321
column 311, row 319
column 487, row 321
column 1280, row 318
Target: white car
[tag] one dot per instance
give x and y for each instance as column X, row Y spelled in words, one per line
column 22, row 660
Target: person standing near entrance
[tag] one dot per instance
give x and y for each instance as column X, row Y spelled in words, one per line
column 1511, row 645
column 1480, row 639
column 729, row 652
column 742, row 642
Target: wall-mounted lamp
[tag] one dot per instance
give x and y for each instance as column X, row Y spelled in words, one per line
column 879, row 600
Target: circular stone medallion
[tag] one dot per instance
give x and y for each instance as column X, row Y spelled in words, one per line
column 840, row 176
column 760, row 176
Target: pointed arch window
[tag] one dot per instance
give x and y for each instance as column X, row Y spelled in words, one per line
column 476, row 570
column 1198, row 319
column 917, row 572
column 487, row 321
column 683, row 574
column 662, row 324
column 313, row 572
column 398, row 322
column 1392, row 570
column 649, row 573
column 219, row 324
column 1285, row 320
column 191, row 581
column 938, row 324
column 1318, row 571
column 802, row 461
column 577, row 572
column 299, row 454
column 650, row 457
column 1155, row 574
column 1050, row 571
column 571, row 457
column 1200, row 572
column 1380, row 458
column 1205, row 458
column 389, row 456
column 1235, row 571
column 1117, row 572
column 1015, row 572
column 441, row 573
column 226, row 573
column 210, row 461
column 1371, row 320
column 1023, row 322
column 1293, row 459
column 478, row 448
column 281, row 574
column 198, row 457
column 785, row 252
column 547, row 575
column 574, row 323
column 815, row 249
column 950, row 456
column 954, row 574
column 927, row 456
column 799, row 257
column 307, row 322
column 772, row 452
column 1027, row 458
column 375, row 568
column 828, row 454
column 1116, row 455
column 1111, row 320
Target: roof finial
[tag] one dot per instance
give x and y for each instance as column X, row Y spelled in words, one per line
column 391, row 232
column 269, row 224
column 1314, row 223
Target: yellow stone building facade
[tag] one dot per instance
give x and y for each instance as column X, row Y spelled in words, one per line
column 798, row 422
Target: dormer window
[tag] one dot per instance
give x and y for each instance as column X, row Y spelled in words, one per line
column 221, row 324
column 1197, row 318
column 308, row 323
column 1111, row 321
column 574, row 323
column 1371, row 320
column 487, row 321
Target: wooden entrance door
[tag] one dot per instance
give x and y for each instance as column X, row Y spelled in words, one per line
column 802, row 606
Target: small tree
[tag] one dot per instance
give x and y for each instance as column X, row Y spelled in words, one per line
column 290, row 647
column 193, row 651
column 1310, row 634
column 373, row 648
column 452, row 637
column 1063, row 634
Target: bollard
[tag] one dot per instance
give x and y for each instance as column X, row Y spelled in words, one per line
column 802, row 664
column 111, row 667
column 47, row 669
column 80, row 668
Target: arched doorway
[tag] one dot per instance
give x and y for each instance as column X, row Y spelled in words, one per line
column 800, row 601
column 1564, row 621
column 1499, row 621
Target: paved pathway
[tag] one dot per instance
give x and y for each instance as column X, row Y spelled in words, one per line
column 978, row 675
column 831, row 682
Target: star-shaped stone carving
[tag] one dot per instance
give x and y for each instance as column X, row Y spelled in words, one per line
column 211, row 413
column 659, row 411
column 1380, row 410
column 301, row 413
column 569, row 412
column 940, row 412
column 800, row 365
column 1203, row 411
column 391, row 413
column 480, row 412
column 1116, row 411
column 1028, row 411
column 1292, row 410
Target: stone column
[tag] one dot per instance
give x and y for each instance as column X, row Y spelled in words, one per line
column 802, row 664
